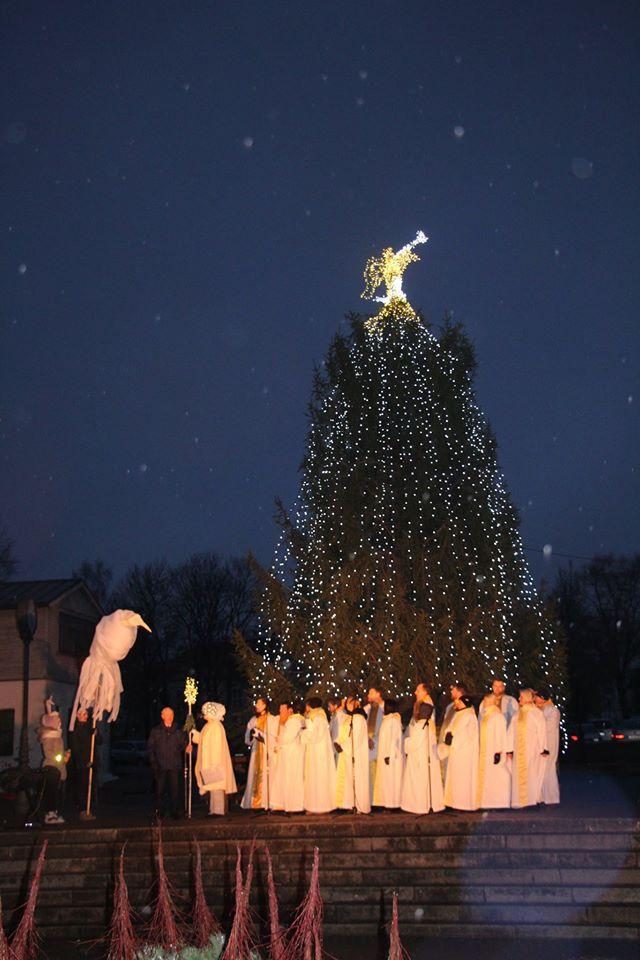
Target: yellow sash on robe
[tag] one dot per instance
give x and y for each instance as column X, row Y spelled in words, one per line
column 256, row 786
column 341, row 773
column 484, row 736
column 521, row 769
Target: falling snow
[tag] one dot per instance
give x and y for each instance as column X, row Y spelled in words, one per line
column 581, row 168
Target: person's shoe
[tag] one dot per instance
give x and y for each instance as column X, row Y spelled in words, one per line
column 53, row 817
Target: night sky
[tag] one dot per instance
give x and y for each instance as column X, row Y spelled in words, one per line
column 190, row 191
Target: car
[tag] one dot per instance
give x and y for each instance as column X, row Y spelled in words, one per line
column 627, row 731
column 591, row 731
column 129, row 751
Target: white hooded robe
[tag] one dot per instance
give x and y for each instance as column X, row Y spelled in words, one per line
column 528, row 732
column 352, row 771
column 550, row 785
column 387, row 788
column 214, row 770
column 257, row 794
column 319, row 765
column 494, row 779
column 288, row 780
column 461, row 783
column 422, row 782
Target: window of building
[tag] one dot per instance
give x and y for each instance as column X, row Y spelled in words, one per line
column 75, row 635
column 7, row 720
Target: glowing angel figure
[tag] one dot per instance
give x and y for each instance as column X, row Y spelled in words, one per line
column 389, row 268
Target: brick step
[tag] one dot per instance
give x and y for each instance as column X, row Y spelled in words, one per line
column 369, row 915
column 418, row 895
column 53, row 936
column 507, row 931
column 466, row 874
column 363, row 831
column 584, row 883
column 335, row 863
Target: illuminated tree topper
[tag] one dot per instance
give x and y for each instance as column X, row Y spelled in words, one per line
column 389, row 268
column 190, row 692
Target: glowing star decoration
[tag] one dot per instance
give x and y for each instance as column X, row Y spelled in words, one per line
column 389, row 268
column 190, row 692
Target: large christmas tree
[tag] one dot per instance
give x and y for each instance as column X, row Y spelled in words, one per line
column 402, row 558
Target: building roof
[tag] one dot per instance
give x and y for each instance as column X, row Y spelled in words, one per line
column 43, row 592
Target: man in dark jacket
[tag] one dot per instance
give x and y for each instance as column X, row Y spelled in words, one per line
column 166, row 745
column 81, row 762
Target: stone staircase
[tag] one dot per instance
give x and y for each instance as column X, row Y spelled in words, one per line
column 500, row 875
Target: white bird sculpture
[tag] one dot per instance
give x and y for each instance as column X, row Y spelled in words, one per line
column 100, row 683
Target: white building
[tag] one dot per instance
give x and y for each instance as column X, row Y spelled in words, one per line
column 67, row 616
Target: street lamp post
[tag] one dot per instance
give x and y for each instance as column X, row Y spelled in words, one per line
column 27, row 623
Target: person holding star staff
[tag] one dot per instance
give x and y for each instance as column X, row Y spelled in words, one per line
column 214, row 769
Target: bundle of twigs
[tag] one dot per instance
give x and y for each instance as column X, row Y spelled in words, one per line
column 164, row 930
column 241, row 945
column 24, row 943
column 123, row 942
column 204, row 924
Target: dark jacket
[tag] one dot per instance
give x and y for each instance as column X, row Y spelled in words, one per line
column 166, row 747
column 80, row 745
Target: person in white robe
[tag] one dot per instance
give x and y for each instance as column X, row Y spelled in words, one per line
column 551, row 714
column 456, row 690
column 387, row 788
column 260, row 736
column 460, row 748
column 374, row 710
column 214, row 769
column 319, row 765
column 507, row 704
column 422, row 782
column 288, row 779
column 335, row 706
column 352, row 772
column 276, row 800
column 494, row 771
column 528, row 733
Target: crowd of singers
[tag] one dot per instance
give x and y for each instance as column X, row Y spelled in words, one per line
column 357, row 757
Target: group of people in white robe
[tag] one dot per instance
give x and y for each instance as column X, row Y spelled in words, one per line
column 355, row 758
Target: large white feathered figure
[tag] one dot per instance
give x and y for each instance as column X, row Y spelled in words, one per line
column 100, row 683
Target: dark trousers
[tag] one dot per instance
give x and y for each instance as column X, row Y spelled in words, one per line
column 51, row 793
column 166, row 780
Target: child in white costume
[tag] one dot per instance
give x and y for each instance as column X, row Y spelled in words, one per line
column 214, row 770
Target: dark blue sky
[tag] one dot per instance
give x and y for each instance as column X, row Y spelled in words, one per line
column 189, row 194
